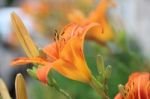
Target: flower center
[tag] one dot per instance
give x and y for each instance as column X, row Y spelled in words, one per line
column 60, row 41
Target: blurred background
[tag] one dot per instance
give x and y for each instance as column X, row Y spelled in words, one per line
column 128, row 52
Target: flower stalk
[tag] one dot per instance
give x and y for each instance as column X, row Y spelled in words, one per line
column 100, row 83
column 52, row 83
column 99, row 88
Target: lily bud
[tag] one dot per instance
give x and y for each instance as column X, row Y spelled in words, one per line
column 20, row 87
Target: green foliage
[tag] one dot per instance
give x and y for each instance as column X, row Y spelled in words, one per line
column 124, row 55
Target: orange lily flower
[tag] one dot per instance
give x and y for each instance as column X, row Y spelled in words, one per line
column 97, row 15
column 41, row 8
column 138, row 87
column 65, row 55
column 39, row 11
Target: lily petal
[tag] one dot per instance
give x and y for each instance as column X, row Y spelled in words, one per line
column 42, row 72
column 138, row 87
column 51, row 50
column 76, row 16
column 97, row 15
column 68, row 70
column 72, row 63
column 21, row 61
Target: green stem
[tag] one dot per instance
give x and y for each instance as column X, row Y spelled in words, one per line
column 99, row 88
column 52, row 83
column 64, row 93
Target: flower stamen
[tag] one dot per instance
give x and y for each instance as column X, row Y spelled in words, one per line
column 59, row 39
